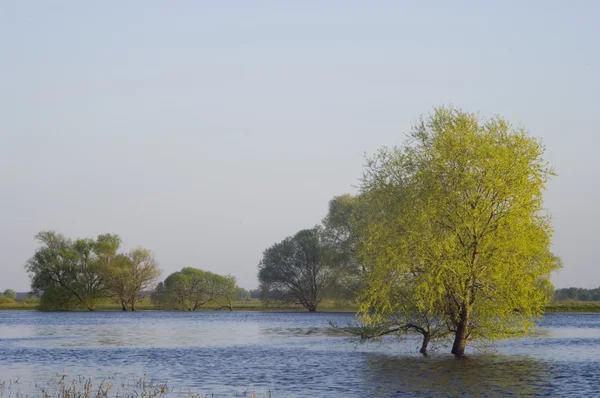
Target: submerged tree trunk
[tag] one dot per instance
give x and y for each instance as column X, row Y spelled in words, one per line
column 123, row 306
column 426, row 339
column 132, row 305
column 462, row 331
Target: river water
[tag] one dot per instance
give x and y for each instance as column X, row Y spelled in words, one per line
column 286, row 355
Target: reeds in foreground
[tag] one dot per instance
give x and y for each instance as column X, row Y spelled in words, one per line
column 110, row 387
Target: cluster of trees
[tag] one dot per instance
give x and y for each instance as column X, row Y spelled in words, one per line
column 69, row 274
column 77, row 273
column 448, row 237
column 577, row 294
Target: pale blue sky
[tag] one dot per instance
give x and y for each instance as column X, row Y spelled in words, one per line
column 206, row 131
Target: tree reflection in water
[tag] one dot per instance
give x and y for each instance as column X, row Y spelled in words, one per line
column 445, row 376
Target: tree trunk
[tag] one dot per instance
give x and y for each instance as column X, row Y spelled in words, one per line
column 123, row 306
column 132, row 305
column 462, row 331
column 426, row 340
column 312, row 308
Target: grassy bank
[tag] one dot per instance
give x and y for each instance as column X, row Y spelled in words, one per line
column 18, row 306
column 327, row 306
column 252, row 305
column 574, row 306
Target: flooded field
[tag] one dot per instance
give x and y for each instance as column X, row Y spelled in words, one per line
column 283, row 355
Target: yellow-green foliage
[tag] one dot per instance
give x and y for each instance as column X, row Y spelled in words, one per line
column 6, row 300
column 192, row 288
column 456, row 225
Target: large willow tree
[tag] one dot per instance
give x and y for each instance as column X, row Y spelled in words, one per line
column 457, row 231
column 68, row 272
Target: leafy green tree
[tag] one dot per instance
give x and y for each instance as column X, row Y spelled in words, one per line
column 106, row 249
column 339, row 233
column 58, row 298
column 298, row 269
column 61, row 268
column 10, row 294
column 223, row 290
column 89, row 270
column 118, row 279
column 186, row 289
column 344, row 214
column 127, row 275
column 457, row 218
column 144, row 272
column 191, row 288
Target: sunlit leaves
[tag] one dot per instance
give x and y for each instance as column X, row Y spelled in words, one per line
column 456, row 225
column 191, row 288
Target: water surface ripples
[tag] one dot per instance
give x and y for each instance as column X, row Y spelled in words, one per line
column 292, row 355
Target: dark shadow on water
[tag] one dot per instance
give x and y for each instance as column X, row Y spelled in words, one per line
column 446, row 376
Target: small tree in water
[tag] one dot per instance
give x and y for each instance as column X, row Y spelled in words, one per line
column 457, row 221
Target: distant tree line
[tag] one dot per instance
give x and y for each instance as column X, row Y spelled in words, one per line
column 9, row 296
column 577, row 294
column 67, row 274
